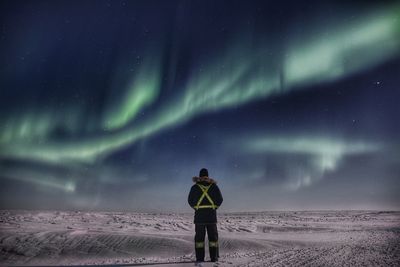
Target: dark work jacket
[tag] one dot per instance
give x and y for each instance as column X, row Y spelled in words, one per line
column 206, row 215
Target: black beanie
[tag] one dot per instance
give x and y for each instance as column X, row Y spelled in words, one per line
column 203, row 172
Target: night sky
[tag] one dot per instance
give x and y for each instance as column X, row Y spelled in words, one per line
column 116, row 105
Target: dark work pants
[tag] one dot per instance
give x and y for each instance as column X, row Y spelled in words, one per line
column 199, row 238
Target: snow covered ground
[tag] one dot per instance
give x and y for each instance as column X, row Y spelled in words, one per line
column 307, row 238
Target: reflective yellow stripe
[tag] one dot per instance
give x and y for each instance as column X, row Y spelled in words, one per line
column 199, row 244
column 213, row 244
column 204, row 189
column 209, row 199
column 207, row 206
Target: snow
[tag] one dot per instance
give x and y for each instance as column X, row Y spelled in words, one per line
column 301, row 238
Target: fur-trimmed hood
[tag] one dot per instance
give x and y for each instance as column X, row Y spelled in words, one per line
column 204, row 179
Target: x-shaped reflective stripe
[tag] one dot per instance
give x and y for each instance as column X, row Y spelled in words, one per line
column 204, row 189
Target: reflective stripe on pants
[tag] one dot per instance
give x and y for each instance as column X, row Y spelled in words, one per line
column 212, row 233
column 199, row 244
column 213, row 244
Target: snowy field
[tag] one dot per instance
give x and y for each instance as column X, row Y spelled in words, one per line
column 312, row 238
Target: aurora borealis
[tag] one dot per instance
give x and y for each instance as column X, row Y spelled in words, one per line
column 117, row 104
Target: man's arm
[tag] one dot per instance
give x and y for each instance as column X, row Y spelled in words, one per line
column 191, row 198
column 218, row 196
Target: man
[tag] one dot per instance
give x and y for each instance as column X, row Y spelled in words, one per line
column 205, row 198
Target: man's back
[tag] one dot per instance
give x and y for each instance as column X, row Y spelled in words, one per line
column 205, row 215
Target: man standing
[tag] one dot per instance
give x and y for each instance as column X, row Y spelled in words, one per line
column 205, row 197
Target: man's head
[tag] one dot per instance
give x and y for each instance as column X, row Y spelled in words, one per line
column 203, row 173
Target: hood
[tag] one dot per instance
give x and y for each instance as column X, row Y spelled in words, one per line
column 204, row 179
